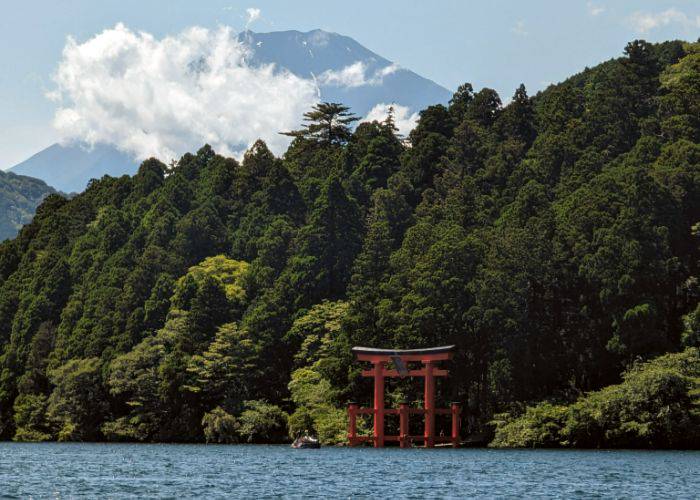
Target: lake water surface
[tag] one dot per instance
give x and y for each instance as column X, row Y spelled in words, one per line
column 182, row 471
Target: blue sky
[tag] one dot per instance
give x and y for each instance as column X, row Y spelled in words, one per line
column 494, row 43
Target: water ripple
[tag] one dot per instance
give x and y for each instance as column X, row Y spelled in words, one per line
column 51, row 470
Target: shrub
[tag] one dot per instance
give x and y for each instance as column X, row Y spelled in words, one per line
column 301, row 422
column 650, row 408
column 539, row 427
column 262, row 422
column 77, row 403
column 128, row 428
column 316, row 413
column 30, row 418
column 220, row 426
column 656, row 405
column 332, row 425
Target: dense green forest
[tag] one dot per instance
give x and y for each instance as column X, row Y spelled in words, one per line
column 19, row 197
column 554, row 239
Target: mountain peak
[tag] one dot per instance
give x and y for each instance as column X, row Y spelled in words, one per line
column 358, row 77
column 344, row 70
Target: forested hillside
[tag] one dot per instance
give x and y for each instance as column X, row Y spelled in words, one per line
column 555, row 240
column 19, row 197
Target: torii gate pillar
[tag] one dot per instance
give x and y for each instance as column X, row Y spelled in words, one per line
column 378, row 404
column 400, row 358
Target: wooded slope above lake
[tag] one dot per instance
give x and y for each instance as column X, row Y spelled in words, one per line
column 555, row 240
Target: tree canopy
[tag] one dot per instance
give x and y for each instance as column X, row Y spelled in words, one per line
column 554, row 238
column 328, row 123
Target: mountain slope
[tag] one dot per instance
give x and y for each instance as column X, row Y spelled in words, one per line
column 19, row 197
column 308, row 55
column 311, row 54
column 69, row 168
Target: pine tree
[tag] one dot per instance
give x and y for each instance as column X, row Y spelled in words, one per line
column 328, row 124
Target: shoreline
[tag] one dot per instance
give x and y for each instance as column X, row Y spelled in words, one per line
column 337, row 447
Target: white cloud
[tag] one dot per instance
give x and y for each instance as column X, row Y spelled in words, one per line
column 519, row 28
column 319, row 38
column 164, row 97
column 595, row 9
column 404, row 120
column 355, row 75
column 386, row 71
column 253, row 14
column 350, row 76
column 644, row 22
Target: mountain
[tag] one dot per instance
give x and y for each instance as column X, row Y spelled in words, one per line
column 371, row 79
column 19, row 197
column 69, row 168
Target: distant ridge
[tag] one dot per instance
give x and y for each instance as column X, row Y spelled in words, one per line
column 19, row 197
column 69, row 168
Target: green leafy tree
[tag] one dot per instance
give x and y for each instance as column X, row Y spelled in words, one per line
column 327, row 245
column 78, row 402
column 262, row 422
column 329, row 123
column 223, row 373
column 220, row 427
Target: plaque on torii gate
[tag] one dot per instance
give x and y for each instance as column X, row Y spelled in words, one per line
column 429, row 358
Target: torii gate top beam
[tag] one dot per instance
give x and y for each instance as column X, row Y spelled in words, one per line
column 429, row 354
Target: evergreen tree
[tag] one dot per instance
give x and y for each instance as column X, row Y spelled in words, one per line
column 328, row 124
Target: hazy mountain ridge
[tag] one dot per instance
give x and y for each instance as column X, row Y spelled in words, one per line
column 19, row 197
column 69, row 167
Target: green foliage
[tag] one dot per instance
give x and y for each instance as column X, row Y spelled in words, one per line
column 78, row 403
column 323, row 358
column 328, row 123
column 220, row 427
column 30, row 418
column 316, row 333
column 657, row 405
column 221, row 372
column 553, row 239
column 332, row 426
column 538, row 427
column 227, row 272
column 680, row 106
column 261, row 422
column 140, row 379
column 315, row 414
column 691, row 332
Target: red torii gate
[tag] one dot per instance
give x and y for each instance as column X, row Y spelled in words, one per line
column 400, row 358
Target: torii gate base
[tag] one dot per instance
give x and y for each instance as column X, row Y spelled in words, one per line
column 379, row 359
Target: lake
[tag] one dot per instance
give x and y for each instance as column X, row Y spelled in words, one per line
column 209, row 471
